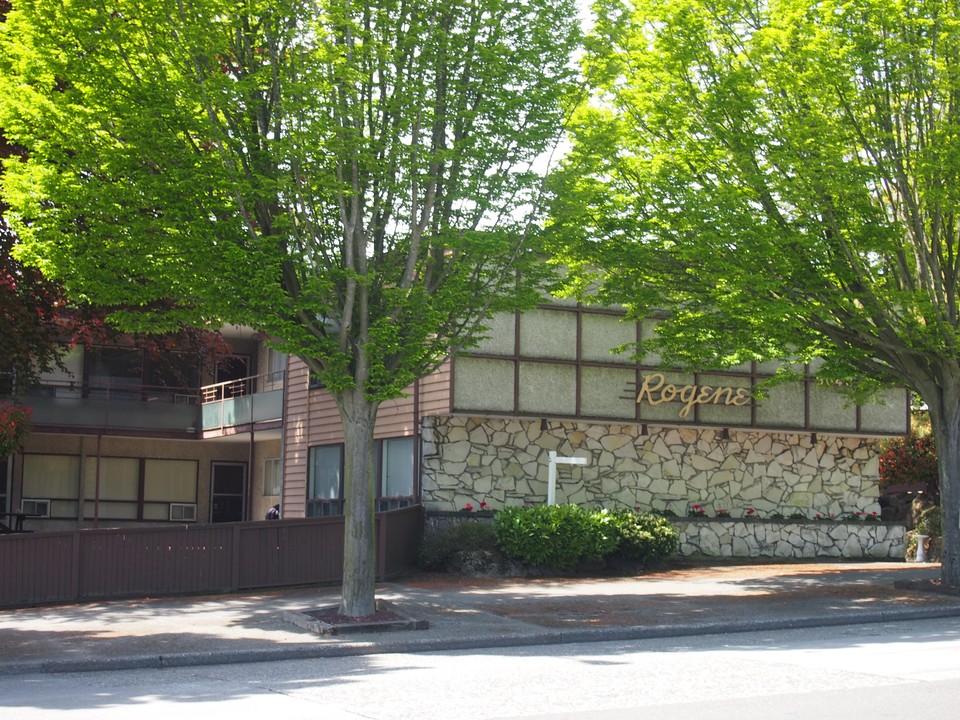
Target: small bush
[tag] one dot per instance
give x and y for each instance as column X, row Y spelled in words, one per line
column 439, row 547
column 562, row 536
column 556, row 535
column 930, row 522
column 644, row 537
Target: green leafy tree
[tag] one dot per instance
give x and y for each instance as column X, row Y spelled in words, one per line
column 781, row 178
column 353, row 178
column 29, row 303
column 30, row 314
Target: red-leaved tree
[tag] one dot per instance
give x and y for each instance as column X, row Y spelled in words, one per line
column 911, row 461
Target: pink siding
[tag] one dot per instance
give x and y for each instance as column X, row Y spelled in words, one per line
column 296, row 423
column 311, row 418
column 436, row 394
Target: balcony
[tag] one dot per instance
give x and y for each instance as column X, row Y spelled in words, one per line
column 244, row 405
column 117, row 408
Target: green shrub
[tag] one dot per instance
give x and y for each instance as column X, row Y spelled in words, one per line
column 438, row 547
column 559, row 536
column 644, row 537
column 930, row 522
column 604, row 534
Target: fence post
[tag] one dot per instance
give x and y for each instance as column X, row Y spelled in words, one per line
column 381, row 526
column 235, row 558
column 75, row 570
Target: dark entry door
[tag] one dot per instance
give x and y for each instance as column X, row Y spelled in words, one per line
column 229, row 490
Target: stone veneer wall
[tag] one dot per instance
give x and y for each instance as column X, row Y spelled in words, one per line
column 503, row 461
column 787, row 539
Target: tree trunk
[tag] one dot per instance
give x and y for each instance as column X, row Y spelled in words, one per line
column 358, row 415
column 945, row 420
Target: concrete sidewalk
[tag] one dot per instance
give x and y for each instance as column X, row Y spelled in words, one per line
column 465, row 613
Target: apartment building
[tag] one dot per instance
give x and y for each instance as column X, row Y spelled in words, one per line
column 122, row 437
column 544, row 407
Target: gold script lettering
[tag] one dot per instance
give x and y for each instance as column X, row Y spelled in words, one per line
column 647, row 390
column 655, row 390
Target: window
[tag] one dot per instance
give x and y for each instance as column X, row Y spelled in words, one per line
column 128, row 488
column 276, row 367
column 272, row 476
column 276, row 362
column 394, row 470
column 115, row 372
column 119, row 488
column 324, row 487
column 396, row 467
column 53, row 477
column 175, row 371
column 165, row 482
column 65, row 380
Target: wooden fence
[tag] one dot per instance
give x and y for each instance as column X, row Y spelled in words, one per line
column 83, row 565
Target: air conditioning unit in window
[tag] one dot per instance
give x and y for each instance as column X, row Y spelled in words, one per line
column 35, row 507
column 183, row 512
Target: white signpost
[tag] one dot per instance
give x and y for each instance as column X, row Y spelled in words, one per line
column 552, row 472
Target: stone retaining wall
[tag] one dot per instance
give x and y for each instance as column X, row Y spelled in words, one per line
column 791, row 539
column 504, row 462
column 788, row 539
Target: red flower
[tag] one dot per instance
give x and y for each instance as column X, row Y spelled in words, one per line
column 483, row 504
column 14, row 426
column 468, row 506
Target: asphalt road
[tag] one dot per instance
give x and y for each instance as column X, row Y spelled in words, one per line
column 896, row 670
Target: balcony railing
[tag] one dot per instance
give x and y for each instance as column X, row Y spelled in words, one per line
column 119, row 406
column 245, row 401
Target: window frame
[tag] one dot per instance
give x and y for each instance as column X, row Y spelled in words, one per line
column 318, row 506
column 273, row 470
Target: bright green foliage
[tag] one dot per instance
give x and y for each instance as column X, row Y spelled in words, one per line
column 353, row 178
column 349, row 177
column 781, row 179
column 644, row 537
column 560, row 536
column 556, row 536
